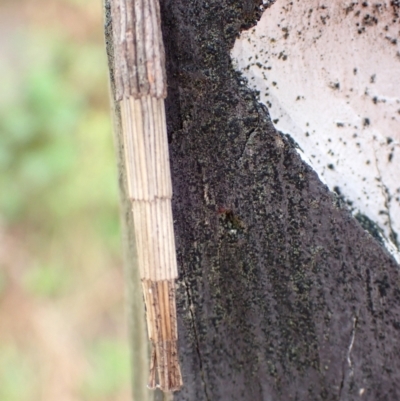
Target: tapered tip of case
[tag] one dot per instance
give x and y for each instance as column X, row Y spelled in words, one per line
column 165, row 372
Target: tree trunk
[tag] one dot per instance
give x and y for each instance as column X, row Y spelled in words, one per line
column 282, row 295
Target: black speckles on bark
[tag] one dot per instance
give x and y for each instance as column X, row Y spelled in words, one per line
column 277, row 281
column 273, row 269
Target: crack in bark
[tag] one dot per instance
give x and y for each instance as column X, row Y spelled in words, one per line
column 196, row 337
column 348, row 357
column 353, row 336
column 386, row 196
column 248, row 140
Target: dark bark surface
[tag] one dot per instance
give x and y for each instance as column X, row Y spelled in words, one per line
column 282, row 295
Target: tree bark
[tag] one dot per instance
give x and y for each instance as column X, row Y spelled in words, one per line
column 281, row 294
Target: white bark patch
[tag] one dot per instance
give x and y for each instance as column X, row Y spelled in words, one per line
column 329, row 73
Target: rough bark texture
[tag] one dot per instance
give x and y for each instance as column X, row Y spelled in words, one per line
column 282, row 295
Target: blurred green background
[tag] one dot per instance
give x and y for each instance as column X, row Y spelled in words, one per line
column 62, row 325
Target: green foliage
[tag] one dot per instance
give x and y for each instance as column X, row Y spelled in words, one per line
column 58, row 193
column 16, row 375
column 47, row 280
column 56, row 154
column 3, row 282
column 110, row 369
column 36, row 150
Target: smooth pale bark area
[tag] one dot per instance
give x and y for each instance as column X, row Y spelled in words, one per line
column 281, row 294
column 330, row 76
